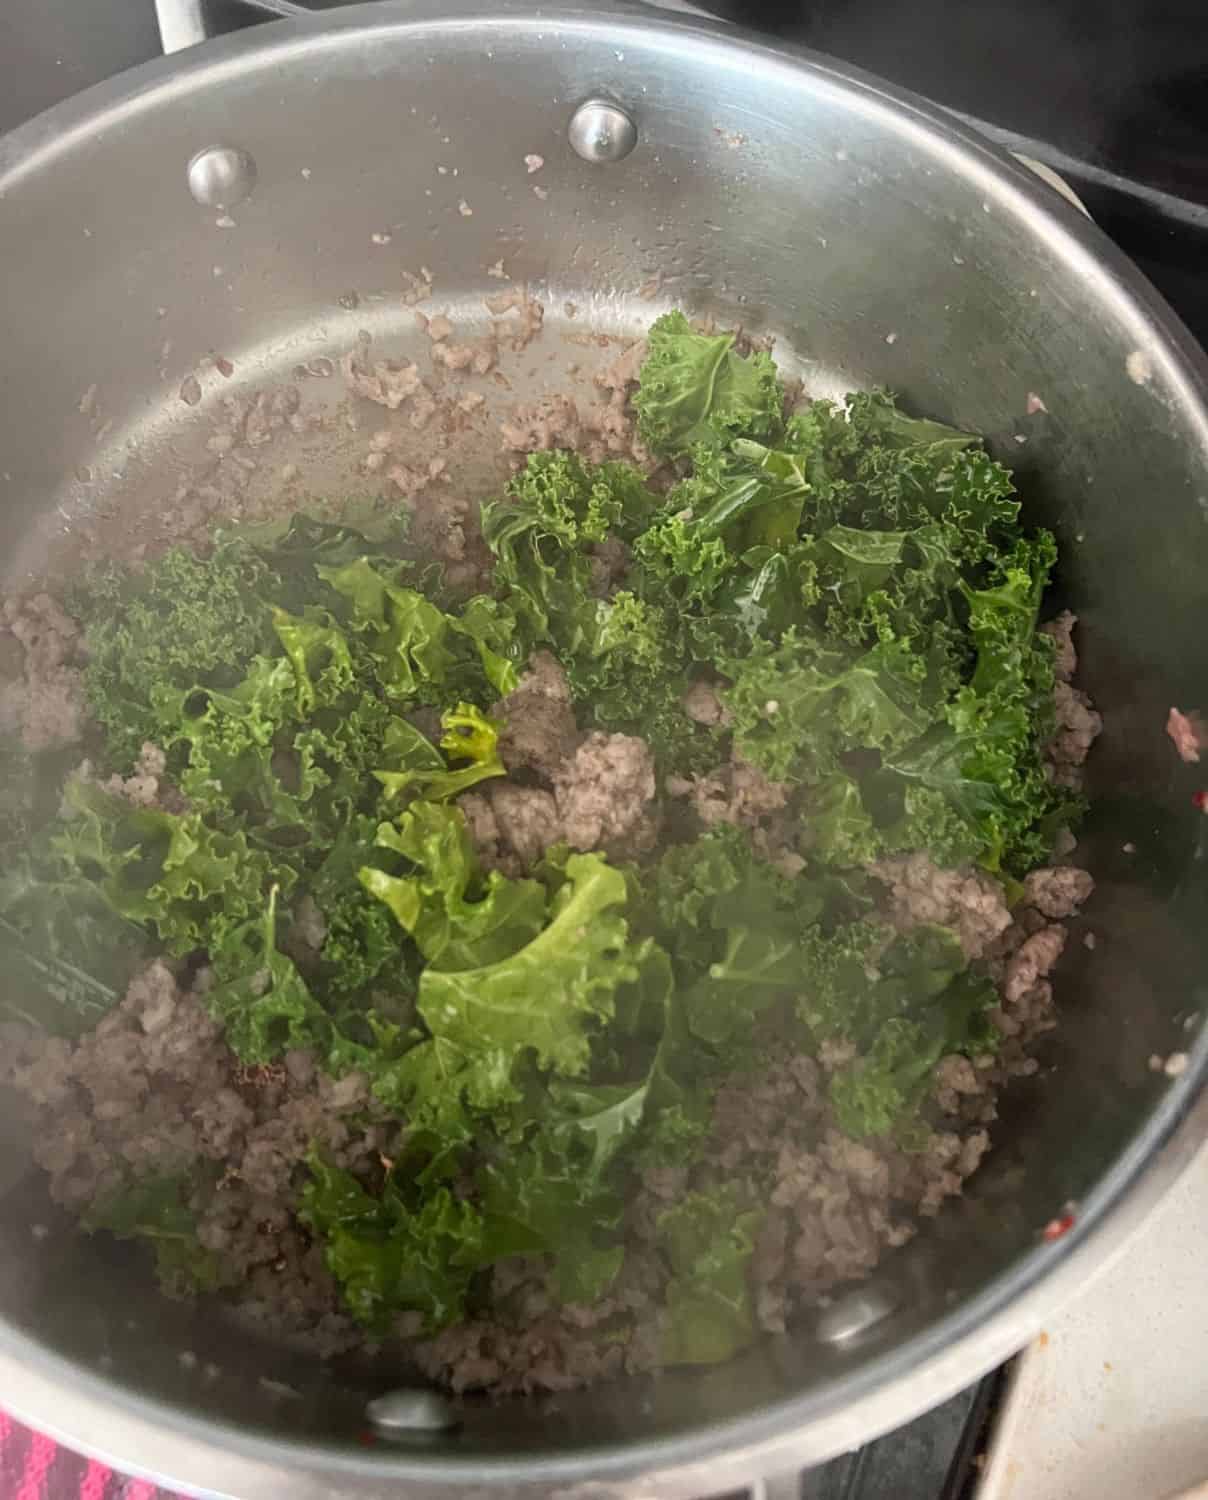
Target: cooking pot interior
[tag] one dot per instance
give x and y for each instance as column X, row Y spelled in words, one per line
column 390, row 166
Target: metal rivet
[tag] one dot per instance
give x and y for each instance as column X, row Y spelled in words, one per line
column 853, row 1314
column 411, row 1409
column 221, row 176
column 602, row 131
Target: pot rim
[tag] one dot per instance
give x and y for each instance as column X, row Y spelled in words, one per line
column 96, row 1414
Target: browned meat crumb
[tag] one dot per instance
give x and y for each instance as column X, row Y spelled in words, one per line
column 147, row 786
column 45, row 706
column 153, row 1089
column 703, row 704
column 955, row 1079
column 522, row 330
column 437, row 328
column 609, row 561
column 1065, row 655
column 967, row 900
column 387, row 382
column 542, row 425
column 511, row 826
column 1188, row 734
column 599, row 432
column 1078, row 727
column 539, row 723
column 1035, row 958
column 1058, row 891
column 738, row 793
column 604, row 793
column 475, row 358
column 836, row 1205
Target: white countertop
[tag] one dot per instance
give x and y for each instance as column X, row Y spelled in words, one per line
column 1111, row 1401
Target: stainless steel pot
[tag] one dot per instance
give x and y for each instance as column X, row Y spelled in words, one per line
column 881, row 243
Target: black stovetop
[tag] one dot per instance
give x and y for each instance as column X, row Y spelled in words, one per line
column 1111, row 93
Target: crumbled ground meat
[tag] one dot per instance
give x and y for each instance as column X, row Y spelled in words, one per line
column 738, row 793
column 45, row 705
column 614, row 423
column 476, row 357
column 1065, row 656
column 602, row 430
column 603, row 785
column 1036, row 956
column 147, row 786
column 511, row 826
column 541, row 425
column 835, row 1205
column 1078, row 727
column 521, row 330
column 609, row 561
column 539, row 731
column 387, row 382
column 152, row 1090
column 966, row 900
column 703, row 704
column 604, row 792
column 1058, row 891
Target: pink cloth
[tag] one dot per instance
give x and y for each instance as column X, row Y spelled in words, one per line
column 33, row 1467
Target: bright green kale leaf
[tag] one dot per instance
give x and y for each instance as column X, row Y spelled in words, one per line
column 457, row 919
column 554, row 992
column 694, row 389
column 708, row 1239
column 263, row 1003
column 166, row 871
column 416, row 649
column 469, row 735
column 390, row 1258
column 318, row 653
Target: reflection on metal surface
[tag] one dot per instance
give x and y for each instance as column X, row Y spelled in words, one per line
column 412, row 1409
column 1054, row 180
column 601, row 131
column 221, row 176
column 852, row 1314
column 181, row 23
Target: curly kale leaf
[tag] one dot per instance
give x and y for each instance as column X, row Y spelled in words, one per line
column 803, row 703
column 469, row 735
column 168, row 871
column 390, row 1256
column 416, row 650
column 708, row 1239
column 880, row 1092
column 182, row 620
column 258, row 995
column 694, row 389
column 538, row 1201
column 903, row 1002
column 550, row 994
column 457, row 919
